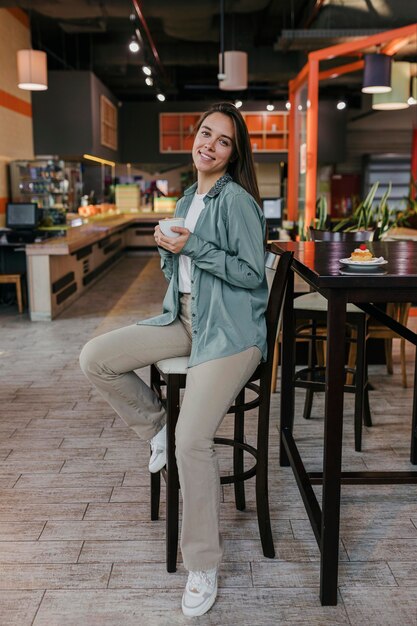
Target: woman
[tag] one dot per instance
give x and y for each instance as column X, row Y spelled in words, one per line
column 213, row 311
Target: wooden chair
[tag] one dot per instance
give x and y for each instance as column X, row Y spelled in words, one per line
column 171, row 375
column 14, row 279
column 400, row 312
column 310, row 312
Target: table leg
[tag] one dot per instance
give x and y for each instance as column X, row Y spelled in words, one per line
column 413, row 453
column 332, row 454
column 287, row 368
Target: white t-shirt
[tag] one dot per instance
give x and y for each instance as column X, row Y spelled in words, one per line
column 197, row 205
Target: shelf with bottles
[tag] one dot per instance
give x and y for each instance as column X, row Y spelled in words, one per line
column 268, row 131
column 51, row 183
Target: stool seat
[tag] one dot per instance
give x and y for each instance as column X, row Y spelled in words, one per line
column 168, row 377
column 316, row 302
column 176, row 365
column 14, row 279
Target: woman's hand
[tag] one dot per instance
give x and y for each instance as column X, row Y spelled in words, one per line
column 172, row 244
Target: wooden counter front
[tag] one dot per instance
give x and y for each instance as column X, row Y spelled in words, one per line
column 60, row 269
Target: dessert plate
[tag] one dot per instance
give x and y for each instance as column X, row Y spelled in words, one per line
column 363, row 271
column 376, row 261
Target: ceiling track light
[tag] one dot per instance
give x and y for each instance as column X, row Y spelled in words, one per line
column 288, row 105
column 161, row 97
column 146, row 70
column 134, row 45
column 238, row 103
column 270, row 106
column 149, row 81
column 341, row 105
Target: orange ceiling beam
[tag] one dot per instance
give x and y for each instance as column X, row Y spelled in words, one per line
column 341, row 69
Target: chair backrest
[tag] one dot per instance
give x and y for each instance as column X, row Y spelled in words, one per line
column 348, row 237
column 277, row 268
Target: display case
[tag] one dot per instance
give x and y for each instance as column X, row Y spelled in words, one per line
column 51, row 183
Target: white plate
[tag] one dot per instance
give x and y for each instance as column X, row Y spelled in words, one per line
column 363, row 271
column 377, row 261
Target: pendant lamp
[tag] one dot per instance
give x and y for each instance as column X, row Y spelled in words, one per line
column 32, row 70
column 235, row 71
column 413, row 96
column 400, row 83
column 377, row 74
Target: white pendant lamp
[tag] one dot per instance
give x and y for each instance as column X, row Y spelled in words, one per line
column 235, row 71
column 32, row 70
column 398, row 96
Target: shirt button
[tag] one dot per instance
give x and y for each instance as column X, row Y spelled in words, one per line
column 193, row 315
column 249, row 274
column 192, row 298
column 192, row 281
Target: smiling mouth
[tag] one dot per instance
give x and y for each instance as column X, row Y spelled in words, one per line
column 205, row 157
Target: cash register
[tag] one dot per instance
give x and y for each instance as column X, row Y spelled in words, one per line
column 22, row 220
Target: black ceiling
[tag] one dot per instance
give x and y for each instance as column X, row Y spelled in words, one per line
column 277, row 34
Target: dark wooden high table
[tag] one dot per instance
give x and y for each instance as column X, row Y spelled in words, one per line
column 318, row 264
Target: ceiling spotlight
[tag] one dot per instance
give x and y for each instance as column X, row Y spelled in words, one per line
column 132, row 17
column 270, row 106
column 238, row 103
column 146, row 70
column 341, row 105
column 133, row 45
column 160, row 97
column 149, row 81
column 300, row 107
column 288, row 105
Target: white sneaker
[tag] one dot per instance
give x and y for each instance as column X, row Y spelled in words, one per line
column 159, row 451
column 200, row 593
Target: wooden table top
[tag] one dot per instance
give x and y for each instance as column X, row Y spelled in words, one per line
column 319, row 263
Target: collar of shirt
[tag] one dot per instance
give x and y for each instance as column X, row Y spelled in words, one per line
column 215, row 190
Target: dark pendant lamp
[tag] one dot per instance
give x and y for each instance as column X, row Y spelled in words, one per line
column 377, row 74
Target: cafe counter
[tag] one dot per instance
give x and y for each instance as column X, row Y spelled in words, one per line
column 60, row 269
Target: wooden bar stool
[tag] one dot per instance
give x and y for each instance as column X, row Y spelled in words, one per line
column 171, row 374
column 14, row 279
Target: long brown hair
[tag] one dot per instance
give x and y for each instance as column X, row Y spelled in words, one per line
column 241, row 166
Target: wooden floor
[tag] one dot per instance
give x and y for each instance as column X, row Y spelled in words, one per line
column 76, row 542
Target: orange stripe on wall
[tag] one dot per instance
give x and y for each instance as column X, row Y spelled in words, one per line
column 3, row 202
column 20, row 15
column 15, row 104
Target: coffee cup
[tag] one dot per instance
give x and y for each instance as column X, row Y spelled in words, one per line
column 167, row 224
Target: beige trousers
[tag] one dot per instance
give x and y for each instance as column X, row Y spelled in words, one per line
column 109, row 362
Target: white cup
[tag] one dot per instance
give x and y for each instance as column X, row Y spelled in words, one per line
column 166, row 225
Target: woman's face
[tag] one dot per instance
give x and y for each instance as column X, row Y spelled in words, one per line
column 214, row 145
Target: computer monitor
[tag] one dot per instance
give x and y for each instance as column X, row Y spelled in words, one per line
column 272, row 209
column 22, row 215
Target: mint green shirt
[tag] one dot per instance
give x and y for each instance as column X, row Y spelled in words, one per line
column 229, row 291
